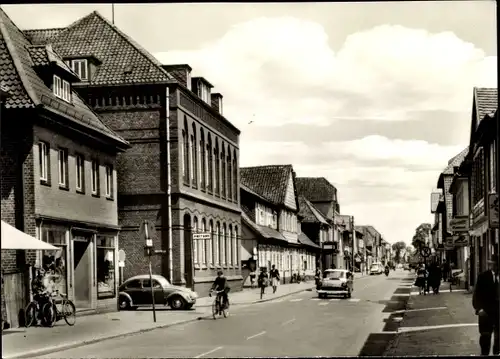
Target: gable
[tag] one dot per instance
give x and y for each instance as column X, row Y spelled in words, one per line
column 290, row 200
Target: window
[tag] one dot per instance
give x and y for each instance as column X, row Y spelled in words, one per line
column 478, row 177
column 188, row 79
column 80, row 173
column 229, row 250
column 62, row 160
column 109, row 181
column 235, row 177
column 202, row 161
column 57, row 237
column 204, row 92
column 217, row 167
column 194, row 159
column 106, row 266
column 210, row 243
column 223, row 182
column 61, row 88
column 134, row 284
column 210, row 168
column 203, row 252
column 94, row 175
column 43, row 154
column 192, row 155
column 80, row 68
column 493, row 168
column 185, row 157
column 195, row 243
column 146, row 283
column 230, row 176
column 215, row 244
column 222, row 245
column 220, row 105
column 236, row 248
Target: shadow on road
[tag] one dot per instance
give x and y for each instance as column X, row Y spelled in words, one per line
column 377, row 343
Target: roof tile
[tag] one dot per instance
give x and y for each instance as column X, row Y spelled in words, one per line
column 123, row 60
column 316, row 189
column 269, row 182
column 41, row 36
column 486, row 101
column 309, row 212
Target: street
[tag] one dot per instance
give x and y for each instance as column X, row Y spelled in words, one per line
column 297, row 325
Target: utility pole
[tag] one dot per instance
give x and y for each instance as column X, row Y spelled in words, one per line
column 113, row 13
column 353, row 240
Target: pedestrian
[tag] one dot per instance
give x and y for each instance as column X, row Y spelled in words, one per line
column 485, row 301
column 275, row 278
column 422, row 276
column 263, row 281
column 446, row 271
column 252, row 279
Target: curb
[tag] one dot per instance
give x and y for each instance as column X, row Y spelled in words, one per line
column 67, row 346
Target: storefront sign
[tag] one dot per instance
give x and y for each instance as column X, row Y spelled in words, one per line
column 459, row 224
column 202, row 236
column 493, row 209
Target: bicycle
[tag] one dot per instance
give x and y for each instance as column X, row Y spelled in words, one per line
column 33, row 311
column 217, row 307
column 52, row 314
column 455, row 279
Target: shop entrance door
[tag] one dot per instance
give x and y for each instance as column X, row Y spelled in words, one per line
column 82, row 265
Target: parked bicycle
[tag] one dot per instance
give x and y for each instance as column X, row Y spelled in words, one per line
column 52, row 314
column 455, row 279
column 217, row 307
column 33, row 311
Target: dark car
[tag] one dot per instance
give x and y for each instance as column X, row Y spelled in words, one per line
column 136, row 291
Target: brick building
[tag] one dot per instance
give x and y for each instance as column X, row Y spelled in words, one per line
column 271, row 222
column 58, row 177
column 181, row 143
column 481, row 166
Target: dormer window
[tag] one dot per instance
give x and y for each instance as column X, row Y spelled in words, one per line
column 188, row 79
column 205, row 93
column 61, row 89
column 79, row 66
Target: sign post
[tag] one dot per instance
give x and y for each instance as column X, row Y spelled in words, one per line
column 425, row 252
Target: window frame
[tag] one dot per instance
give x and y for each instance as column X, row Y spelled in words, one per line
column 62, row 167
column 44, row 161
column 83, row 63
column 80, row 173
column 112, row 248
column 61, row 88
column 94, row 177
column 109, row 181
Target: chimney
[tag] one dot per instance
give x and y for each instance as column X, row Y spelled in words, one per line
column 217, row 102
column 181, row 72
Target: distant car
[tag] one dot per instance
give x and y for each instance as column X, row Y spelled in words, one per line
column 406, row 266
column 376, row 268
column 136, row 291
column 334, row 282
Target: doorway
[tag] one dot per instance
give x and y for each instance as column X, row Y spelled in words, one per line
column 82, row 267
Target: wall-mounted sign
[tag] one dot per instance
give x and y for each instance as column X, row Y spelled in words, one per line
column 459, row 224
column 202, row 236
column 493, row 209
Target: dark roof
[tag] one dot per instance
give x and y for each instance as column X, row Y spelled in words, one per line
column 264, row 231
column 123, row 60
column 310, row 213
column 455, row 161
column 303, row 239
column 316, row 189
column 42, row 36
column 486, row 101
column 269, row 182
column 253, row 193
column 28, row 90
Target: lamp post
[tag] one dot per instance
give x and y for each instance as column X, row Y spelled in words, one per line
column 353, row 239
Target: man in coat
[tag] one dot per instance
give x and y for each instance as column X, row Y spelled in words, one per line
column 485, row 301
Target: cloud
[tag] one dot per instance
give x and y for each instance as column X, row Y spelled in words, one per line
column 281, row 70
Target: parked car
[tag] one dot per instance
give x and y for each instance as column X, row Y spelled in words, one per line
column 406, row 266
column 336, row 281
column 376, row 268
column 136, row 291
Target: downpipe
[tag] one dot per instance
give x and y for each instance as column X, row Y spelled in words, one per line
column 169, row 188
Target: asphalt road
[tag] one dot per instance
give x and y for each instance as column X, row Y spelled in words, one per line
column 297, row 325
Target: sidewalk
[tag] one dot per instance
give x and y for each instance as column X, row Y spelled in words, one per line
column 32, row 342
column 420, row 332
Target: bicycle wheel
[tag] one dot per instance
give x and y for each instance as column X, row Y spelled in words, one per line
column 30, row 314
column 69, row 312
column 225, row 311
column 49, row 314
column 215, row 309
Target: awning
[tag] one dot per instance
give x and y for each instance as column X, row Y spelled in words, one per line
column 303, row 239
column 13, row 238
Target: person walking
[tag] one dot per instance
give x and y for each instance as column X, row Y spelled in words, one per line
column 263, row 281
column 485, row 301
column 446, row 271
column 275, row 278
column 252, row 279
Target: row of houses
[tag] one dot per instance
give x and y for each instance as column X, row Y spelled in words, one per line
column 466, row 226
column 98, row 137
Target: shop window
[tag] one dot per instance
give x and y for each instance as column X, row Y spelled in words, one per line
column 54, row 262
column 105, row 267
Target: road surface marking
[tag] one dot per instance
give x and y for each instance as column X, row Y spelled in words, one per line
column 288, row 321
column 454, row 290
column 430, row 327
column 323, row 303
column 354, row 300
column 209, row 352
column 256, row 335
column 315, row 299
column 296, row 300
column 417, row 310
column 403, row 294
column 334, row 299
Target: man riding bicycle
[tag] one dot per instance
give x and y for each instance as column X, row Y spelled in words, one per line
column 220, row 285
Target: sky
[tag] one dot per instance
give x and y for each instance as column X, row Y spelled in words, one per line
column 375, row 97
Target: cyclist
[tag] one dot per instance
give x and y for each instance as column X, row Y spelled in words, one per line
column 220, row 285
